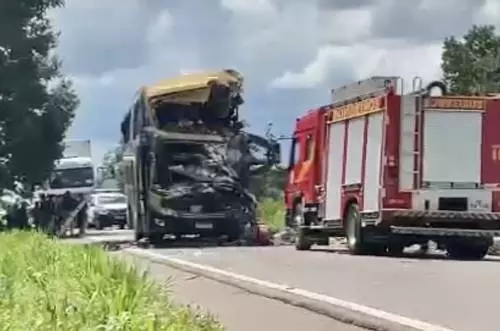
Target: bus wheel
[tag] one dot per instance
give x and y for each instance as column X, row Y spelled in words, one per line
column 130, row 221
column 138, row 235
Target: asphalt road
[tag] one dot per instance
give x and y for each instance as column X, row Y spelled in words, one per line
column 236, row 309
column 463, row 296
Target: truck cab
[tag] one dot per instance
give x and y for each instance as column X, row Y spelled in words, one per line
column 304, row 171
column 71, row 174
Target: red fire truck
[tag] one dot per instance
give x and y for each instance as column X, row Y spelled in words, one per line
column 389, row 169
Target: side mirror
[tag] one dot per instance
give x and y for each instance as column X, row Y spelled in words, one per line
column 274, row 155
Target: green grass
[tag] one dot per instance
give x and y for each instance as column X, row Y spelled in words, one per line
column 52, row 286
column 272, row 212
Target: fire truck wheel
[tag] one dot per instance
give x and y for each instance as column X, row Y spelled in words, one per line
column 354, row 233
column 467, row 251
column 395, row 249
column 301, row 242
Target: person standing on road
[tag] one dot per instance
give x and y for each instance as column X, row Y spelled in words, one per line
column 69, row 203
column 42, row 213
column 53, row 210
column 81, row 218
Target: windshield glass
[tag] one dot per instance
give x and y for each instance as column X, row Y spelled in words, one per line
column 108, row 199
column 65, row 178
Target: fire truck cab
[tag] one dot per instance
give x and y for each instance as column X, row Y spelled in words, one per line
column 389, row 169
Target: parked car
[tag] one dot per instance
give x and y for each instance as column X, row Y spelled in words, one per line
column 107, row 209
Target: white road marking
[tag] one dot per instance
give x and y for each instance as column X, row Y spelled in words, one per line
column 377, row 313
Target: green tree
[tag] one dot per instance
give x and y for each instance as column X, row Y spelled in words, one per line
column 37, row 102
column 472, row 64
column 269, row 184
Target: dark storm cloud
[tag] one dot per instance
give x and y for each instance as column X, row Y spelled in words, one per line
column 423, row 21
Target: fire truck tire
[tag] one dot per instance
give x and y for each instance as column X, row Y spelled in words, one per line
column 395, row 249
column 354, row 232
column 467, row 251
column 301, row 241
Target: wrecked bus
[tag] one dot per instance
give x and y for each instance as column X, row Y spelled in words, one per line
column 186, row 162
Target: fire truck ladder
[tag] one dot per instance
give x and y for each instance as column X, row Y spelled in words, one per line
column 412, row 113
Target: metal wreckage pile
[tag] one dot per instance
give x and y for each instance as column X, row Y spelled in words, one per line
column 204, row 160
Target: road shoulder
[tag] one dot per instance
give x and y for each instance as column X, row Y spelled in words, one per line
column 237, row 309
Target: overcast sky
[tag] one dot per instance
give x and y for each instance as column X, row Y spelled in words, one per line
column 291, row 52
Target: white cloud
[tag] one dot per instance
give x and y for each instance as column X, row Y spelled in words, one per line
column 379, row 58
column 314, row 73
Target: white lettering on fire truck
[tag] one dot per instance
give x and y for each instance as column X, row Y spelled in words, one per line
column 353, row 110
column 455, row 104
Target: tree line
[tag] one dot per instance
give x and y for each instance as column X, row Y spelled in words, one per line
column 38, row 102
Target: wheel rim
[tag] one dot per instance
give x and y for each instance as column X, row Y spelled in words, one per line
column 352, row 233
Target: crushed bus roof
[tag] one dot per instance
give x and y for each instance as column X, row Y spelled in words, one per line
column 194, row 81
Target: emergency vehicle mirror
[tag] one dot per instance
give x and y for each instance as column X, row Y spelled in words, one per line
column 274, row 156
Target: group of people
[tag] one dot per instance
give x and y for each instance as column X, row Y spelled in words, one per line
column 51, row 213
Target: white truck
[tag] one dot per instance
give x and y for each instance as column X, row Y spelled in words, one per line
column 73, row 173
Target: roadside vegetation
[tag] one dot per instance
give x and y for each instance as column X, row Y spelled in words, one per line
column 272, row 213
column 268, row 189
column 49, row 285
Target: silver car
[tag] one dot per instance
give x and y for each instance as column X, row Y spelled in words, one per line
column 107, row 209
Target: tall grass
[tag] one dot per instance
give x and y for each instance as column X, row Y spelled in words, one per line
column 52, row 286
column 272, row 212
